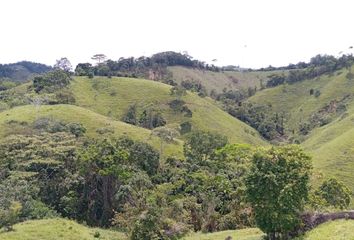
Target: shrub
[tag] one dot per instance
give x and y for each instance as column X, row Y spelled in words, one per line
column 185, row 127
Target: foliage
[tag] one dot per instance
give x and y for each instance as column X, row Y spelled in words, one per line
column 149, row 117
column 63, row 64
column 51, row 81
column 335, row 193
column 277, row 188
column 11, row 216
column 200, row 146
column 194, row 87
column 269, row 124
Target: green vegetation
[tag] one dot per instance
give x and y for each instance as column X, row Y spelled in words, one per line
column 329, row 137
column 277, row 188
column 156, row 161
column 113, row 97
column 217, row 81
column 15, row 120
column 59, row 229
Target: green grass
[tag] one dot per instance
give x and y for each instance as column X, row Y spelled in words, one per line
column 62, row 229
column 58, row 229
column 336, row 230
column 112, row 97
column 220, row 80
column 91, row 120
column 244, row 234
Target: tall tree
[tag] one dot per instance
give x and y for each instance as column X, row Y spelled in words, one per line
column 63, row 64
column 100, row 58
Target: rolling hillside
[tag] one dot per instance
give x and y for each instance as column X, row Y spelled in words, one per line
column 331, row 144
column 219, row 80
column 112, row 97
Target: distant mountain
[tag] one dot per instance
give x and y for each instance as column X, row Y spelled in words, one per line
column 22, row 71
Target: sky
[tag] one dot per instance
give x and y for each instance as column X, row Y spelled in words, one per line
column 248, row 33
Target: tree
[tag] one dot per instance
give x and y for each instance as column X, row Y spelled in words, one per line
column 335, row 193
column 84, row 69
column 103, row 168
column 130, row 116
column 51, row 81
column 10, row 216
column 100, row 58
column 200, row 146
column 63, row 64
column 277, row 188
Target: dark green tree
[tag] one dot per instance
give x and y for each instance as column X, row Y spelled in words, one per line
column 200, row 146
column 277, row 188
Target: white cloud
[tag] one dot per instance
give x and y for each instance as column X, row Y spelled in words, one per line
column 252, row 33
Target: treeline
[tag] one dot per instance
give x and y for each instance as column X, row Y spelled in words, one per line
column 318, row 65
column 318, row 60
column 139, row 67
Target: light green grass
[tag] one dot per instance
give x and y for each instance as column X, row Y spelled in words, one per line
column 58, row 229
column 91, row 120
column 220, row 80
column 112, row 97
column 244, row 234
column 336, row 230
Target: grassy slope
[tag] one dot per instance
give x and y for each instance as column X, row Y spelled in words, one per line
column 220, row 80
column 336, row 230
column 58, row 229
column 112, row 97
column 91, row 120
column 332, row 145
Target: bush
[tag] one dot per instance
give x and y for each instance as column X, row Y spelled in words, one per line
column 51, row 81
column 335, row 193
column 185, row 127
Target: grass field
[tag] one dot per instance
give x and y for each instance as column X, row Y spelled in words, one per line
column 112, row 97
column 58, row 229
column 220, row 80
column 91, row 120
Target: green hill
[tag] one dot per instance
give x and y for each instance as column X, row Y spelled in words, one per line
column 331, row 144
column 58, row 229
column 113, row 96
column 16, row 119
column 219, row 80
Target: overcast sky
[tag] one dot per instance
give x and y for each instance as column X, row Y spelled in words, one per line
column 250, row 33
